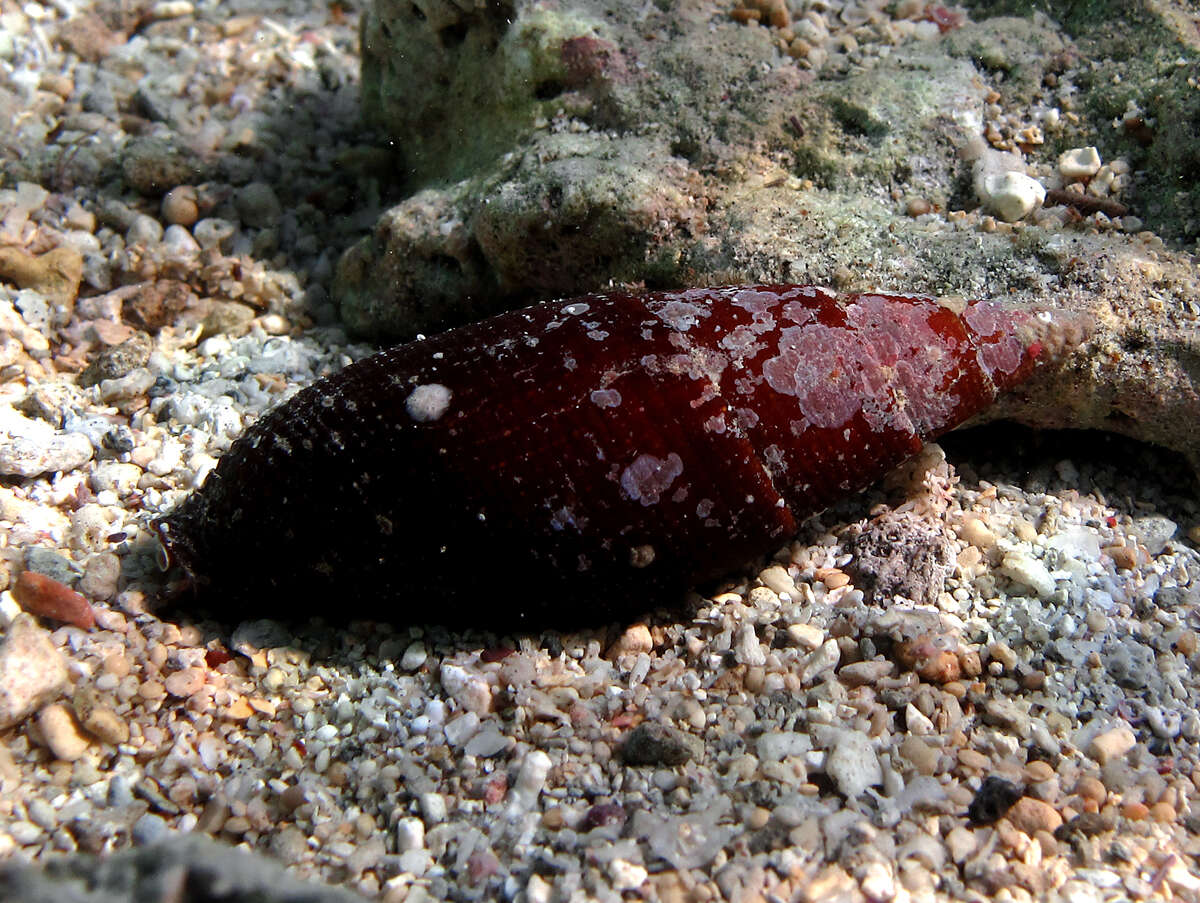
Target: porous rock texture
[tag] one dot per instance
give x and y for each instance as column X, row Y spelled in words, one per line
column 557, row 149
column 184, row 868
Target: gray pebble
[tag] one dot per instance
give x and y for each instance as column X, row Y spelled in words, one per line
column 120, row 792
column 214, row 233
column 651, row 743
column 118, row 360
column 151, row 166
column 148, row 829
column 487, row 743
column 179, row 244
column 42, row 814
column 144, row 230
column 258, row 206
column 51, row 563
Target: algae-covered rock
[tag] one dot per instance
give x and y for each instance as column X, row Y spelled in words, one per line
column 555, row 149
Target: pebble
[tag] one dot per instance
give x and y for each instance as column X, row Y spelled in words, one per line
column 652, row 743
column 48, row 598
column 148, row 829
column 1011, row 195
column 410, row 835
column 55, row 275
column 30, row 448
column 144, row 230
column 184, row 683
column 469, row 690
column 853, row 765
column 923, row 757
column 487, row 743
column 62, row 733
column 32, row 671
column 180, row 206
column 1079, row 163
column 1111, row 744
column 1032, row 815
column 178, row 243
column 257, row 205
column 820, row 661
column 99, row 719
column 635, row 639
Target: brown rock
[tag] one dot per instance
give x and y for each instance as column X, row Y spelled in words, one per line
column 930, row 660
column 46, row 597
column 97, row 718
column 62, row 733
column 1031, row 815
column 88, row 37
column 55, row 274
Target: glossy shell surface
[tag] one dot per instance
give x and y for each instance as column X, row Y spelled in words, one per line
column 588, row 459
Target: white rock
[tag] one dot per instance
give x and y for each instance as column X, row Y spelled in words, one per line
column 1112, row 744
column 776, row 745
column 748, row 649
column 1079, row 163
column 853, row 765
column 820, row 661
column 807, row 636
column 461, row 729
column 410, row 835
column 1012, row 195
column 531, row 778
column 469, row 690
column 414, row 656
column 115, row 476
column 29, row 448
column 626, row 875
column 1028, row 572
column 487, row 743
column 918, row 724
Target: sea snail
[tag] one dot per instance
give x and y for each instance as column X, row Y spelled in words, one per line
column 588, row 459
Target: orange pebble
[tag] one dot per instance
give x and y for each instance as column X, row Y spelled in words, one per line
column 46, row 597
column 1091, row 789
column 1163, row 813
column 1135, row 811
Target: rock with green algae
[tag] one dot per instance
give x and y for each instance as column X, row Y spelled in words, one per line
column 554, row 151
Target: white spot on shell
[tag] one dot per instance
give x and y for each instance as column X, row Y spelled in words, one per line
column 576, row 308
column 681, row 315
column 606, row 398
column 428, row 402
column 648, row 477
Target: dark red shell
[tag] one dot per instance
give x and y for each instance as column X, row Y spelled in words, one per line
column 585, row 459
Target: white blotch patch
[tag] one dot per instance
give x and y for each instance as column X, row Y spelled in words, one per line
column 680, row 315
column 570, row 363
column 597, row 335
column 606, row 398
column 428, row 402
column 648, row 477
column 576, row 308
column 887, row 361
column 746, row 418
column 704, row 507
